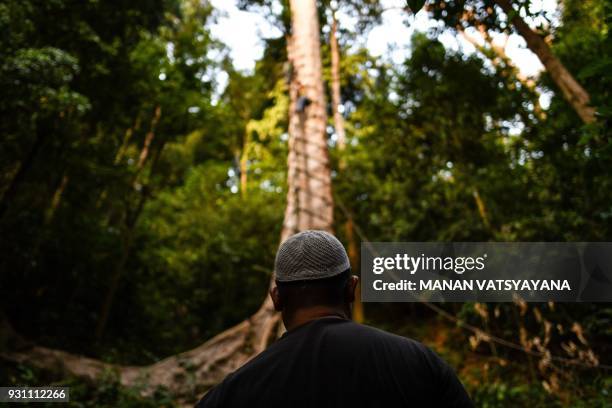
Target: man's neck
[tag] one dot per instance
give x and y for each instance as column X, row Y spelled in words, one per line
column 302, row 316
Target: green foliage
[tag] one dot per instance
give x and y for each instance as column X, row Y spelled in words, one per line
column 204, row 263
column 446, row 148
column 122, row 156
column 115, row 146
column 515, row 392
column 496, row 395
column 106, row 393
column 441, row 144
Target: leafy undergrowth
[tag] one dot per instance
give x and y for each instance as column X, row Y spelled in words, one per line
column 106, row 393
column 508, row 381
column 492, row 381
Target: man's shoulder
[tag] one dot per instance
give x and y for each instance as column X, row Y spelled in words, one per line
column 338, row 337
column 339, row 346
column 369, row 334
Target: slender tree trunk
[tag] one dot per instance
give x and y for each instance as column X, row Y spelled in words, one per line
column 144, row 153
column 57, row 198
column 126, row 139
column 341, row 143
column 353, row 253
column 573, row 92
column 335, row 76
column 11, row 191
column 115, row 278
column 309, row 206
column 130, row 225
column 119, row 156
column 244, row 161
column 482, row 209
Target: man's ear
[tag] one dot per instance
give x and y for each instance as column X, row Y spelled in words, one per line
column 351, row 285
column 278, row 305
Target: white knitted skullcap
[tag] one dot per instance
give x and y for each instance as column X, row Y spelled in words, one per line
column 310, row 255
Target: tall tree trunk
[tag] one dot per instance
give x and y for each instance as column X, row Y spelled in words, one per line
column 335, row 77
column 130, row 225
column 309, row 206
column 309, row 195
column 341, row 143
column 573, row 92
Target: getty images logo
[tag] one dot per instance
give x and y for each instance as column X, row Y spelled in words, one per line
column 412, row 264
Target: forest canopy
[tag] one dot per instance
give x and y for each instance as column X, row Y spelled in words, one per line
column 146, row 182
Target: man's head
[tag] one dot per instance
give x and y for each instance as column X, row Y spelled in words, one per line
column 312, row 272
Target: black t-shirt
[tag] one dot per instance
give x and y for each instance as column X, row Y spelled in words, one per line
column 333, row 362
